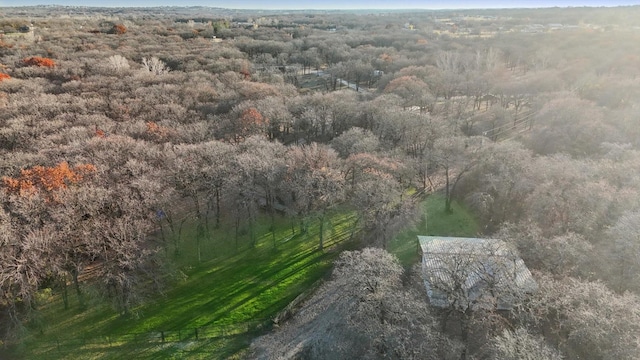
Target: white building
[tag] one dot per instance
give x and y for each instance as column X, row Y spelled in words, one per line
column 473, row 273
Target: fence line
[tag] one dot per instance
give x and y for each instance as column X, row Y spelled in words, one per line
column 153, row 337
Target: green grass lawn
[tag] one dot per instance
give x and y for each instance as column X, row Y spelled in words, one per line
column 227, row 296
column 312, row 82
column 223, row 301
column 434, row 221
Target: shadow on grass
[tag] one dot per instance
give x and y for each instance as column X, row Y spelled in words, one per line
column 233, row 288
column 300, row 263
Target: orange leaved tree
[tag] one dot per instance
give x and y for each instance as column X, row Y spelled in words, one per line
column 249, row 122
column 251, row 118
column 4, row 77
column 47, row 179
column 118, row 29
column 157, row 132
column 39, row 61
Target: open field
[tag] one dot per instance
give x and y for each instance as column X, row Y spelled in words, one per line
column 435, row 221
column 222, row 303
column 313, row 82
column 212, row 312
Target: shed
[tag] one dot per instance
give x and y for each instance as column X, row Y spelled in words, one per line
column 473, row 272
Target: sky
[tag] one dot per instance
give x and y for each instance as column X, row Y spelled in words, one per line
column 329, row 4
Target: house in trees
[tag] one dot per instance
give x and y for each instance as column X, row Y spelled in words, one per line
column 473, row 273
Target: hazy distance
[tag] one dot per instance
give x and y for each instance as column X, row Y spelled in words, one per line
column 328, row 4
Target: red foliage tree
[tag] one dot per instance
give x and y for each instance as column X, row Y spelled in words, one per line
column 47, row 179
column 4, row 77
column 39, row 61
column 413, row 90
column 252, row 122
column 244, row 70
column 157, row 132
column 118, row 29
column 386, row 58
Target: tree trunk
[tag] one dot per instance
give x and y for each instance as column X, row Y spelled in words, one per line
column 321, row 244
column 217, row 193
column 199, row 234
column 273, row 226
column 237, row 230
column 252, row 234
column 65, row 292
column 163, row 236
column 176, row 233
column 303, row 225
column 464, row 333
column 447, row 200
column 353, row 228
column 76, row 284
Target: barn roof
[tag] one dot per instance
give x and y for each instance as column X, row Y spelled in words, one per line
column 475, row 261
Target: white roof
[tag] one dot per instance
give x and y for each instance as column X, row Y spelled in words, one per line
column 475, row 261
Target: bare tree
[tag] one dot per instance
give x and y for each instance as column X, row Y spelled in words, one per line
column 23, row 262
column 566, row 254
column 79, row 220
column 119, row 64
column 456, row 156
column 314, row 183
column 377, row 192
column 625, row 252
column 261, row 168
column 363, row 312
column 154, row 66
column 126, row 270
column 354, row 141
column 584, row 319
column 497, row 187
column 520, row 344
column 563, row 185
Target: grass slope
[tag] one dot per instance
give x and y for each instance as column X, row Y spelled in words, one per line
column 435, row 221
column 225, row 298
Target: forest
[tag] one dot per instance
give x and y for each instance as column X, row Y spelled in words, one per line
column 154, row 157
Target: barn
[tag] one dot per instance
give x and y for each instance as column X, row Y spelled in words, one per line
column 473, row 272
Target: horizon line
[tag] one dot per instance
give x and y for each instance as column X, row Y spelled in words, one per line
column 329, row 9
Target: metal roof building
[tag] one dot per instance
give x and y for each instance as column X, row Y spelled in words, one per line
column 473, row 272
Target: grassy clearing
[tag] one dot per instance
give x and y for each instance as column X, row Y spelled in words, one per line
column 313, row 82
column 225, row 297
column 435, row 221
column 223, row 300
